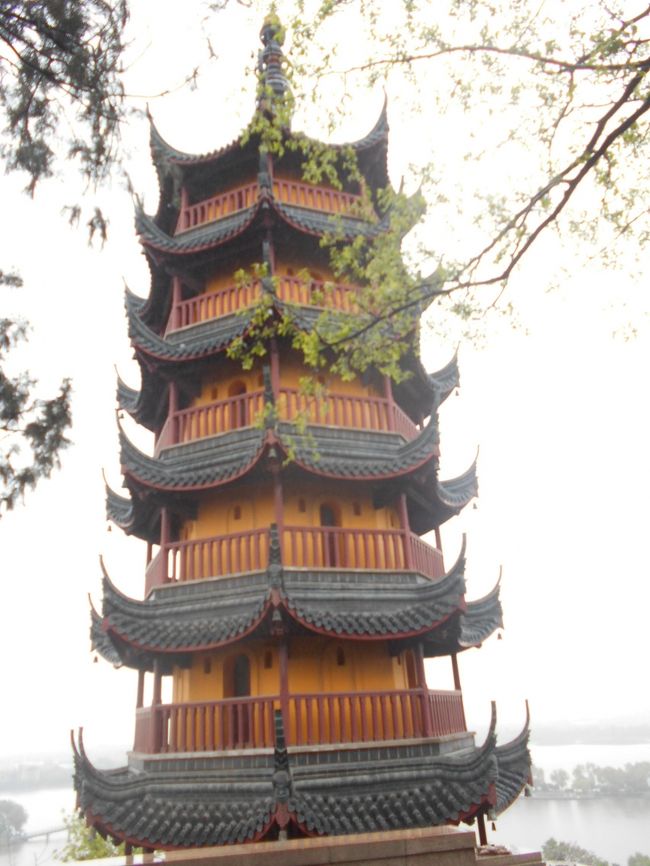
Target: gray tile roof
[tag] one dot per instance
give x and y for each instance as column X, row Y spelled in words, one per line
column 205, row 338
column 481, row 618
column 446, row 379
column 202, row 237
column 164, row 152
column 196, row 465
column 515, row 767
column 204, row 615
column 352, row 790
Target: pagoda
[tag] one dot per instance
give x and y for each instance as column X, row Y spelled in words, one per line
column 289, row 600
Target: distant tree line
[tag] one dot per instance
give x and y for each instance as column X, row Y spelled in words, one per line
column 586, row 779
column 553, row 849
column 31, row 778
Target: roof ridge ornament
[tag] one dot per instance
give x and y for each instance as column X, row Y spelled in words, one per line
column 274, row 91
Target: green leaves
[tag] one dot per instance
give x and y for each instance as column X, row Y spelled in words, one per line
column 32, row 430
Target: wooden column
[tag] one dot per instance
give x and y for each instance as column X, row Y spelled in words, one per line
column 275, row 369
column 284, row 684
column 174, row 319
column 149, row 552
column 140, row 694
column 454, row 667
column 388, row 394
column 157, row 684
column 155, row 724
column 185, row 200
column 482, row 835
column 171, row 413
column 426, row 706
column 406, row 530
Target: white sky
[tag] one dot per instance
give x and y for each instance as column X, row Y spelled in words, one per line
column 558, row 407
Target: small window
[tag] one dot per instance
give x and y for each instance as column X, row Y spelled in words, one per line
column 214, row 393
column 207, row 666
column 236, row 512
column 268, row 660
column 289, row 272
column 356, row 508
column 260, row 380
column 340, row 657
column 302, row 506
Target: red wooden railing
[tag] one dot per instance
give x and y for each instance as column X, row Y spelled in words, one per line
column 316, row 293
column 210, row 419
column 231, row 299
column 213, row 305
column 313, row 719
column 302, row 547
column 244, row 410
column 220, row 554
column 334, row 547
column 316, row 197
column 217, row 207
column 289, row 191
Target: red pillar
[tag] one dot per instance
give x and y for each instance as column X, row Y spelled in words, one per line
column 406, row 530
column 140, row 694
column 426, row 706
column 390, row 410
column 284, row 685
column 275, row 369
column 454, row 667
column 175, row 318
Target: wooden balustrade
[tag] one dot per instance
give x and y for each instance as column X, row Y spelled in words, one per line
column 230, row 300
column 213, row 305
column 217, row 555
column 302, row 547
column 316, row 197
column 217, row 207
column 447, row 712
column 244, row 410
column 297, row 193
column 316, row 293
column 426, row 559
column 334, row 547
column 313, row 719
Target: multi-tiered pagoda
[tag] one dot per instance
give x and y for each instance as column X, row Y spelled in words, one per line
column 289, row 598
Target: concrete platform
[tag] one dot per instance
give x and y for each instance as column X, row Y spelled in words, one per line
column 434, row 846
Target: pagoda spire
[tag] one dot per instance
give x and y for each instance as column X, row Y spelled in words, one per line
column 274, row 89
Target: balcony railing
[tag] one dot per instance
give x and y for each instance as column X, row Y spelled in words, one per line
column 310, row 719
column 302, row 547
column 231, row 299
column 244, row 410
column 288, row 191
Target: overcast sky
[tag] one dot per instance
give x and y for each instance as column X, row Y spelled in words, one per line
column 557, row 404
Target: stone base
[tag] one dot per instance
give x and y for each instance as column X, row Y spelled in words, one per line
column 435, row 846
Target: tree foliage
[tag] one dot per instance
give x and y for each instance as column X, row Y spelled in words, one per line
column 61, row 99
column 553, row 849
column 60, row 65
column 84, row 843
column 12, row 819
column 547, row 109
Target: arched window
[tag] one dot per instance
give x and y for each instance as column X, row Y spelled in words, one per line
column 237, row 677
column 332, row 546
column 237, row 684
column 411, row 670
column 238, row 407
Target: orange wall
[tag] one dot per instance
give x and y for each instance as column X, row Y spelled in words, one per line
column 313, row 668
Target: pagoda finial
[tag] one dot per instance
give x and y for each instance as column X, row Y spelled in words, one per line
column 274, row 85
